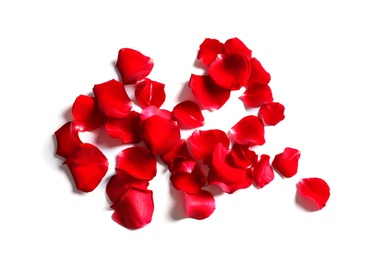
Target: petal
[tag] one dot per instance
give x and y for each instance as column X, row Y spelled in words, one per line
column 209, row 49
column 135, row 208
column 230, row 71
column 286, row 163
column 199, row 205
column 86, row 114
column 258, row 73
column 182, row 165
column 190, row 182
column 241, row 156
column 160, row 134
column 137, row 162
column 179, row 152
column 248, row 131
column 257, row 95
column 88, row 166
column 149, row 92
column 155, row 111
column 235, row 45
column 188, row 115
column 271, row 113
column 208, row 93
column 67, row 138
column 128, row 128
column 262, row 172
column 315, row 189
column 133, row 65
column 112, row 98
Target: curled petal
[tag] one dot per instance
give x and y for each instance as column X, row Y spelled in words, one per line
column 258, row 73
column 135, row 208
column 88, row 166
column 286, row 163
column 199, row 205
column 241, row 156
column 257, row 95
column 179, row 152
column 188, row 115
column 67, row 138
column 248, row 131
column 315, row 189
column 149, row 93
column 209, row 49
column 271, row 113
column 190, row 182
column 262, row 172
column 182, row 165
column 137, row 162
column 86, row 114
column 235, row 45
column 128, row 128
column 112, row 98
column 133, row 65
column 155, row 111
column 208, row 93
column 230, row 71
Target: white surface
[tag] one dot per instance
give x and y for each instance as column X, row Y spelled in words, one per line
column 329, row 64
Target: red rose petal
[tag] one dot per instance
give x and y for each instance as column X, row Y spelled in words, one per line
column 248, row 131
column 149, row 93
column 199, row 205
column 133, row 65
column 235, row 45
column 286, row 163
column 188, row 115
column 88, row 166
column 190, row 182
column 160, row 134
column 86, row 114
column 182, row 165
column 258, row 73
column 137, row 162
column 262, row 172
column 230, row 71
column 128, row 128
column 112, row 98
column 208, row 93
column 135, row 208
column 179, row 152
column 209, row 49
column 271, row 113
column 241, row 157
column 257, row 95
column 155, row 111
column 315, row 189
column 67, row 138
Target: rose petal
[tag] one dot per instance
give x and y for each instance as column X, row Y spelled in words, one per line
column 190, row 182
column 271, row 113
column 241, row 157
column 248, row 131
column 179, row 152
column 199, row 205
column 315, row 189
column 155, row 111
column 86, row 114
column 235, row 45
column 67, row 138
column 188, row 115
column 137, row 162
column 209, row 49
column 88, row 166
column 135, row 208
column 182, row 165
column 258, row 73
column 133, row 65
column 286, row 163
column 112, row 98
column 262, row 172
column 128, row 128
column 208, row 93
column 257, row 95
column 149, row 93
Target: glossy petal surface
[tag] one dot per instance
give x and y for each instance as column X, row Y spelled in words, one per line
column 209, row 49
column 248, row 131
column 67, row 138
column 286, row 163
column 149, row 93
column 315, row 189
column 199, row 205
column 271, row 113
column 128, row 128
column 262, row 172
column 137, row 162
column 241, row 156
column 257, row 95
column 86, row 114
column 155, row 111
column 235, row 45
column 258, row 73
column 188, row 115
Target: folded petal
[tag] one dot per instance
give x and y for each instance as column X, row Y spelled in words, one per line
column 137, row 162
column 262, row 172
column 271, row 113
column 67, row 138
column 258, row 73
column 209, row 49
column 188, row 115
column 199, row 205
column 235, row 45
column 182, row 165
column 190, row 182
column 315, row 189
column 241, row 156
column 248, row 131
column 128, row 128
column 179, row 152
column 149, row 93
column 286, row 163
column 86, row 114
column 155, row 111
column 257, row 95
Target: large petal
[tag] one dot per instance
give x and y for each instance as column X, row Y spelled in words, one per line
column 315, row 189
column 67, row 138
column 86, row 114
column 258, row 73
column 248, row 131
column 128, row 128
column 262, row 172
column 271, row 113
column 286, row 163
column 188, row 115
column 137, row 162
column 235, row 45
column 257, row 95
column 149, row 93
column 199, row 205
column 209, row 49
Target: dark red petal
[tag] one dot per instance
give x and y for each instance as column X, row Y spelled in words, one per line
column 135, row 208
column 241, row 156
column 86, row 114
column 248, row 131
column 182, row 165
column 258, row 73
column 161, row 135
column 209, row 49
column 112, row 98
column 271, row 113
column 208, row 93
column 199, row 205
column 230, row 71
column 190, row 182
column 262, row 172
column 155, row 111
column 315, row 189
column 235, row 45
column 149, row 93
column 137, row 162
column 257, row 95
column 67, row 138
column 88, row 166
column 180, row 151
column 128, row 128
column 133, row 65
column 188, row 115
column 286, row 163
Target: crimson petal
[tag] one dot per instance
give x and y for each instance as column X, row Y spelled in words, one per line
column 235, row 45
column 86, row 114
column 248, row 131
column 315, row 189
column 188, row 115
column 258, row 73
column 149, row 92
column 241, row 157
column 190, row 182
column 209, row 49
column 199, row 205
column 179, row 152
column 137, row 162
column 257, row 95
column 67, row 138
column 271, row 113
column 128, row 128
column 286, row 163
column 155, row 111
column 263, row 172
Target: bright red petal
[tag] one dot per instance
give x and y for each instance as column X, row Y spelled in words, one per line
column 258, row 73
column 241, row 156
column 257, row 95
column 315, row 189
column 235, row 45
column 230, row 71
column 262, row 172
column 179, row 152
column 67, row 138
column 190, row 182
column 88, row 166
column 86, row 114
column 112, row 99
column 199, row 205
column 137, row 162
column 271, row 113
column 182, row 165
column 128, row 128
column 248, row 131
column 155, row 111
column 133, row 65
column 135, row 208
column 188, row 115
column 286, row 163
column 149, row 93
column 209, row 49
column 208, row 93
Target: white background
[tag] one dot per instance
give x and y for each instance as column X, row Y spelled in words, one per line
column 329, row 62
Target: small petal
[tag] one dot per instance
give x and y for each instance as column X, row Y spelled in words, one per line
column 128, row 128
column 67, row 138
column 271, row 113
column 286, row 163
column 258, row 73
column 248, row 131
column 190, row 182
column 209, row 49
column 235, row 45
column 155, row 111
column 262, row 172
column 199, row 205
column 315, row 189
column 86, row 114
column 188, row 115
column 257, row 95
column 149, row 93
